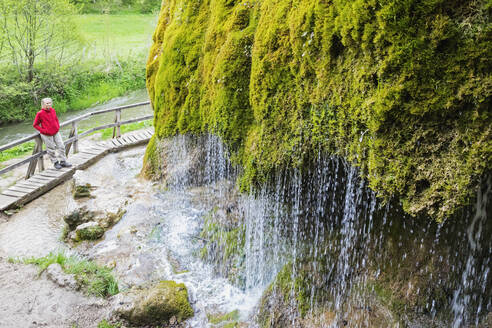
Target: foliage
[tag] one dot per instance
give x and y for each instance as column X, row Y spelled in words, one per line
column 71, row 88
column 37, row 29
column 16, row 151
column 96, row 280
column 400, row 88
column 117, row 6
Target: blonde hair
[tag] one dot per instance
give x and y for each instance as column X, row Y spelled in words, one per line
column 45, row 100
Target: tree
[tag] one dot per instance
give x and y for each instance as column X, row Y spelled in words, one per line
column 31, row 30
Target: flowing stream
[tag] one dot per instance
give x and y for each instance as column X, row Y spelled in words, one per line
column 320, row 227
column 12, row 132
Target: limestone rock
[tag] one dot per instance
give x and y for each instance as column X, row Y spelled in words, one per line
column 77, row 217
column 155, row 305
column 81, row 185
column 55, row 273
column 89, row 231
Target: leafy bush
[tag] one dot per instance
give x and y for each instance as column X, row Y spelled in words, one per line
column 71, row 88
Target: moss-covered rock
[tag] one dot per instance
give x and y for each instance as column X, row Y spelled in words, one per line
column 85, row 224
column 89, row 231
column 82, row 191
column 154, row 305
column 77, row 217
column 401, row 88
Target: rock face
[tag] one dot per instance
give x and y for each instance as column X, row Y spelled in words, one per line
column 159, row 304
column 401, row 88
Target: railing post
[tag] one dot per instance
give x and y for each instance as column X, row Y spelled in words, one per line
column 32, row 165
column 39, row 144
column 76, row 135
column 73, row 132
column 117, row 120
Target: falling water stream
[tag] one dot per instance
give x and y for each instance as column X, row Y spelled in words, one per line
column 321, row 224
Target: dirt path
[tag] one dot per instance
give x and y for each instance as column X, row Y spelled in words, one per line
column 29, row 300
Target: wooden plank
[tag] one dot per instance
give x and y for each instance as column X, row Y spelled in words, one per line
column 38, row 178
column 12, row 193
column 98, row 147
column 30, row 183
column 126, row 140
column 50, row 174
column 140, row 136
column 89, row 151
column 6, row 201
column 117, row 142
column 21, row 189
column 133, row 138
column 96, row 150
column 27, row 186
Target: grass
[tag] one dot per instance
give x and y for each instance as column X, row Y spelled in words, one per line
column 95, row 280
column 16, row 151
column 106, row 324
column 108, row 133
column 108, row 36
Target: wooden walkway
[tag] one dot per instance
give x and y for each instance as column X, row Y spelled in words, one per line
column 26, row 190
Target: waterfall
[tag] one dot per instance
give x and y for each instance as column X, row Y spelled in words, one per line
column 475, row 271
column 347, row 256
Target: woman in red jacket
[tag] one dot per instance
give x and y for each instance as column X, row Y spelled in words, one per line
column 47, row 124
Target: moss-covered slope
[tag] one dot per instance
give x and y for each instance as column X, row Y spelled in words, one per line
column 401, row 88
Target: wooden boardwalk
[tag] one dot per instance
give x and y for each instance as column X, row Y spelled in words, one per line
column 26, row 190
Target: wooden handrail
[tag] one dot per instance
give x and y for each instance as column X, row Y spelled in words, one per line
column 72, row 139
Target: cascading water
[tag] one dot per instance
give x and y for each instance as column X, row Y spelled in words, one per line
column 312, row 247
column 344, row 251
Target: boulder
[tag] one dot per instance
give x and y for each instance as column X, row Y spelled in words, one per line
column 77, row 217
column 89, row 231
column 158, row 304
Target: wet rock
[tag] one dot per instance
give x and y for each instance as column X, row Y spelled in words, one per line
column 109, row 219
column 89, row 231
column 158, row 304
column 81, row 187
column 84, row 224
column 78, row 217
column 55, row 273
column 82, row 191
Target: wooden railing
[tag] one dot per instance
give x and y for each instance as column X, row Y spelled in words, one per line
column 73, row 139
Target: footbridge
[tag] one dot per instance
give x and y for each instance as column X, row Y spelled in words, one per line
column 39, row 180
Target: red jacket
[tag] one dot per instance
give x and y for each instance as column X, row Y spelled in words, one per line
column 46, row 122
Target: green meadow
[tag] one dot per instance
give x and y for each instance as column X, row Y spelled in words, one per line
column 108, row 56
column 117, row 35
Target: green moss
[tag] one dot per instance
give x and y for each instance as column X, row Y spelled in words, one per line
column 90, row 233
column 151, row 165
column 400, row 88
column 221, row 318
column 162, row 302
column 82, row 191
column 224, row 246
